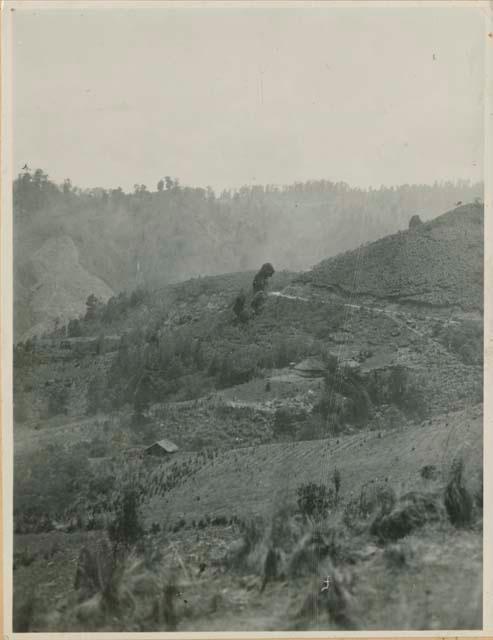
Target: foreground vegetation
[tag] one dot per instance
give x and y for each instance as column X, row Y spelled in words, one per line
column 128, row 578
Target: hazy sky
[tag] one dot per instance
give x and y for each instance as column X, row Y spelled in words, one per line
column 224, row 97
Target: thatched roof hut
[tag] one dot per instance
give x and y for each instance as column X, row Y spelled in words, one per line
column 311, row 368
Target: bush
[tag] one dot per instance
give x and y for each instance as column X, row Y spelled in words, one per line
column 284, row 422
column 345, row 398
column 376, row 496
column 237, row 368
column 315, row 500
column 239, row 307
column 74, row 328
column 336, row 480
column 138, row 297
column 457, row 499
column 24, row 558
column 412, row 511
column 180, row 524
column 126, row 529
column 429, row 472
column 56, row 479
column 464, row 339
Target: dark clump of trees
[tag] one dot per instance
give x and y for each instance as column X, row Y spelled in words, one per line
column 126, row 529
column 239, row 307
column 259, row 286
column 260, row 281
column 259, row 295
column 415, row 221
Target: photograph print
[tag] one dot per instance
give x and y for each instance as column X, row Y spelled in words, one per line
column 247, row 319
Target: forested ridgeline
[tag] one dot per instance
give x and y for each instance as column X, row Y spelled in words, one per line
column 172, row 232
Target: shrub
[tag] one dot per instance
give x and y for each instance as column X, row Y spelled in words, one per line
column 94, row 568
column 57, row 478
column 126, row 593
column 271, row 567
column 252, row 533
column 336, row 480
column 24, row 558
column 457, row 498
column 258, row 302
column 412, row 511
column 284, row 422
column 464, row 339
column 315, row 500
column 429, row 472
column 74, row 328
column 237, row 368
column 94, row 307
column 376, row 496
column 239, row 307
column 345, row 398
column 126, row 528
column 180, row 524
column 138, row 297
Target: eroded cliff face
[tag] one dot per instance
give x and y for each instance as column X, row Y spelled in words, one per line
column 53, row 287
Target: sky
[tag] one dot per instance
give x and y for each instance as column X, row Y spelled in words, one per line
column 232, row 96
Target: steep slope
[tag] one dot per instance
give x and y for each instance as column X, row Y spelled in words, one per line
column 437, row 263
column 55, row 287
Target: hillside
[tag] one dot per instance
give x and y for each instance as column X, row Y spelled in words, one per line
column 272, row 472
column 381, row 379
column 438, row 263
column 177, row 232
column 53, row 288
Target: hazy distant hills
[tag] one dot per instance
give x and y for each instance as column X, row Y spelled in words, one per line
column 439, row 263
column 153, row 238
column 56, row 289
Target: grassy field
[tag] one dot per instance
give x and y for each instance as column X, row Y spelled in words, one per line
column 273, row 472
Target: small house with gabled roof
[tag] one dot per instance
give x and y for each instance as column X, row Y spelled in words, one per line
column 161, row 448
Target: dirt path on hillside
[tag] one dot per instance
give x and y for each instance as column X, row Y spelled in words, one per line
column 386, row 312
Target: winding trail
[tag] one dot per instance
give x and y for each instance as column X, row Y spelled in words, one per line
column 386, row 312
